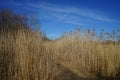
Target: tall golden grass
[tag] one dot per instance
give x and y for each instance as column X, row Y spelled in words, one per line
column 24, row 57
column 86, row 56
column 26, row 54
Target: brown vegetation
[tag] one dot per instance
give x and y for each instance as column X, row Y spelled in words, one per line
column 79, row 55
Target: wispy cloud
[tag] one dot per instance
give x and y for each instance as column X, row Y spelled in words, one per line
column 77, row 11
column 70, row 14
column 66, row 14
column 67, row 18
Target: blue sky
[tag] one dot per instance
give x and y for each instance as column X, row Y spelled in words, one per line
column 59, row 16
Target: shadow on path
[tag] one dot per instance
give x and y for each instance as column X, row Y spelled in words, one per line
column 67, row 74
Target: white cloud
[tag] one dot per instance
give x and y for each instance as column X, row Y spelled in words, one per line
column 71, row 19
column 67, row 14
column 77, row 11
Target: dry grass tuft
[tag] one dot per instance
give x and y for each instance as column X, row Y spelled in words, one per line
column 24, row 57
column 89, row 55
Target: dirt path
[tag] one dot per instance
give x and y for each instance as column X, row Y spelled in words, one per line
column 67, row 74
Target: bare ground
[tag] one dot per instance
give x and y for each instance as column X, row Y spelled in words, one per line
column 67, row 74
